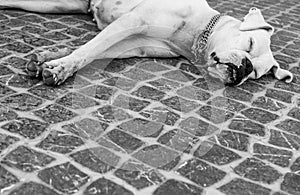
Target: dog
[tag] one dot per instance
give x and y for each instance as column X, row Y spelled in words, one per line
column 231, row 50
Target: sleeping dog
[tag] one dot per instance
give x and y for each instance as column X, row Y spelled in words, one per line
column 231, row 50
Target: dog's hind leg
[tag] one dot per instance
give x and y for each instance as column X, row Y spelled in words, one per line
column 47, row 6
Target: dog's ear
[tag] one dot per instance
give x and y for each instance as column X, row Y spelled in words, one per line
column 254, row 20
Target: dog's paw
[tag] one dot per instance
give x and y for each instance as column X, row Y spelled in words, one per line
column 56, row 72
column 34, row 67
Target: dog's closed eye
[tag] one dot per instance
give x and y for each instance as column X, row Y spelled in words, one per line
column 251, row 43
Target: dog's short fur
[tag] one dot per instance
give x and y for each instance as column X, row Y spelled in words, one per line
column 236, row 50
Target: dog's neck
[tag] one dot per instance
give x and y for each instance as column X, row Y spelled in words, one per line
column 200, row 49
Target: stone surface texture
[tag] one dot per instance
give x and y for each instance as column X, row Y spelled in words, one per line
column 146, row 126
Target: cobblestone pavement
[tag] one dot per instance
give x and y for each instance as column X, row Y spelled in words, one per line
column 146, row 126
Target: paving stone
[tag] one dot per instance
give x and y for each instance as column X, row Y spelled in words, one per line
column 111, row 114
column 208, row 83
column 260, row 115
column 239, row 186
column 268, row 104
column 152, row 66
column 178, row 140
column 234, row 140
column 215, row 154
column 287, row 86
column 227, row 104
column 279, row 193
column 74, row 31
column 26, row 159
column 5, row 71
column 296, row 165
column 257, row 170
column 124, row 140
column 7, row 114
column 197, row 127
column 178, row 75
column 92, row 73
column 200, row 172
column 34, row 29
column 38, row 42
column 138, row 175
column 70, row 20
column 105, row 142
column 128, row 102
column 138, row 75
column 74, row 82
column 76, row 101
column 26, row 127
column 17, row 47
column 18, row 80
column 14, row 22
column 104, row 186
column 290, row 126
column 53, row 25
column 142, row 127
column 47, row 92
column 4, row 53
column 22, row 102
column 161, row 115
column 156, row 156
column 280, row 95
column 4, row 91
column 96, row 159
column 214, row 115
column 121, row 83
column 149, row 93
column 64, row 177
column 33, row 188
column 238, row 94
column 165, row 84
column 86, row 128
column 56, row 36
column 54, row 113
column 247, row 126
column 61, row 142
column 282, row 139
column 89, row 27
column 7, row 179
column 252, row 87
column 194, row 93
column 291, row 183
column 174, row 187
column 98, row 92
column 7, row 141
column 15, row 62
column 277, row 156
column 294, row 113
column 180, row 104
column 81, row 40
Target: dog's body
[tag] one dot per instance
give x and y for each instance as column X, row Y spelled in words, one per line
column 235, row 50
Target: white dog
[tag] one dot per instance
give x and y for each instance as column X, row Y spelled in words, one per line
column 232, row 50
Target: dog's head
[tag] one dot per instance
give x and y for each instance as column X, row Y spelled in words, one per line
column 242, row 50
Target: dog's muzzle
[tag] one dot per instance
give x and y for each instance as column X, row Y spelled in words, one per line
column 231, row 74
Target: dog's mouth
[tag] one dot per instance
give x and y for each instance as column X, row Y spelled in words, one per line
column 231, row 74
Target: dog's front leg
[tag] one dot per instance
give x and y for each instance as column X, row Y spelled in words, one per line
column 57, row 71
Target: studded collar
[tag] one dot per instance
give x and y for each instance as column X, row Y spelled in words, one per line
column 200, row 42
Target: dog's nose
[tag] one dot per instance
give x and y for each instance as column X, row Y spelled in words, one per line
column 241, row 73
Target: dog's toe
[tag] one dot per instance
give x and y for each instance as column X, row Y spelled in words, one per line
column 33, row 68
column 49, row 78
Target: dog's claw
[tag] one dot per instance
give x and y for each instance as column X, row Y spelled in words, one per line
column 48, row 77
column 33, row 68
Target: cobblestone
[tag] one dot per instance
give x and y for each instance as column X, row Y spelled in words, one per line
column 135, row 126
